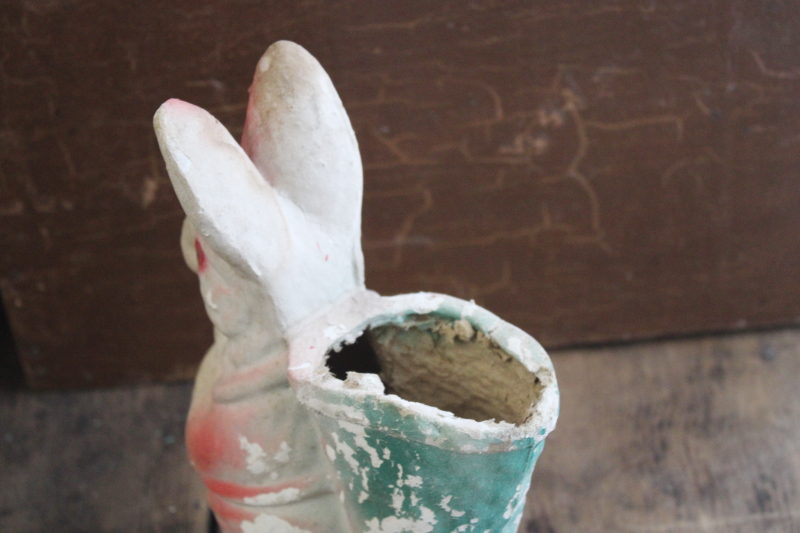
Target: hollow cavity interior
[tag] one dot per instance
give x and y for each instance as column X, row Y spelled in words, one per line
column 443, row 363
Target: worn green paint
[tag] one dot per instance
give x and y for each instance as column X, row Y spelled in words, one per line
column 405, row 467
column 416, row 487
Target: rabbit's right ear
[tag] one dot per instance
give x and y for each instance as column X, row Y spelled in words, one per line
column 223, row 194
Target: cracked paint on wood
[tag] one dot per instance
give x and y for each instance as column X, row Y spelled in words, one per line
column 588, row 183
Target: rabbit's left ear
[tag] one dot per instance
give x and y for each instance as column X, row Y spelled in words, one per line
column 188, row 249
column 223, row 194
column 299, row 137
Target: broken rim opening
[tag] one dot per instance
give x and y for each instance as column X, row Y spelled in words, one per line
column 444, row 363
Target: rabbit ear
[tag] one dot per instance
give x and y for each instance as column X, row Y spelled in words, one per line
column 299, row 137
column 188, row 246
column 223, row 194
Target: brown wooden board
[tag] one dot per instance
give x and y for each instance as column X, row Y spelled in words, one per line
column 672, row 437
column 676, row 437
column 590, row 171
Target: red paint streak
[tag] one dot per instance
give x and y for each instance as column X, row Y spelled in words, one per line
column 227, row 511
column 326, row 257
column 202, row 261
column 261, row 371
column 212, row 444
column 235, row 491
column 207, row 443
column 310, row 347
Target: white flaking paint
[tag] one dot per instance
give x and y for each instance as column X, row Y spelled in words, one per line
column 468, row 309
column 427, row 303
column 362, row 497
column 394, row 524
column 414, row 481
column 283, row 453
column 361, row 441
column 516, row 501
column 339, row 411
column 265, row 523
column 364, row 479
column 291, row 494
column 397, row 500
column 334, row 332
column 347, row 452
column 367, row 382
column 256, row 458
column 445, row 504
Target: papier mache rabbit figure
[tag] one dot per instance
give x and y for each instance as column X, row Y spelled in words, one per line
column 273, row 231
column 444, row 440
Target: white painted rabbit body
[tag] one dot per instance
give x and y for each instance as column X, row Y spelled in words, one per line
column 273, row 232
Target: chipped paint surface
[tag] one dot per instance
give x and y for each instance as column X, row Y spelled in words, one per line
column 394, row 524
column 268, row 255
column 256, row 458
column 265, row 523
column 283, row 453
column 395, row 457
column 445, row 504
column 277, row 252
column 275, row 498
column 325, row 394
column 381, row 498
column 332, row 332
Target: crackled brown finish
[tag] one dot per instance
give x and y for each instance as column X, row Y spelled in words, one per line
column 590, row 171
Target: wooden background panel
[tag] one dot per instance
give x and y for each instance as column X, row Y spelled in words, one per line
column 591, row 174
column 591, row 171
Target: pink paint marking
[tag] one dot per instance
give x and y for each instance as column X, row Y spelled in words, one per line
column 227, row 511
column 208, row 443
column 236, row 492
column 326, row 257
column 202, row 261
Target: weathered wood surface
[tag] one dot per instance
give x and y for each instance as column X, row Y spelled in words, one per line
column 690, row 436
column 590, row 171
column 105, row 461
column 676, row 437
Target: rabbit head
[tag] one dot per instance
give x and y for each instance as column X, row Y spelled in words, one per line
column 273, row 226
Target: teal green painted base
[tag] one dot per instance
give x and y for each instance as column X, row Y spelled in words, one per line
column 392, row 485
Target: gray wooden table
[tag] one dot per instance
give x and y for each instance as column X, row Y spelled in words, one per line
column 698, row 435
